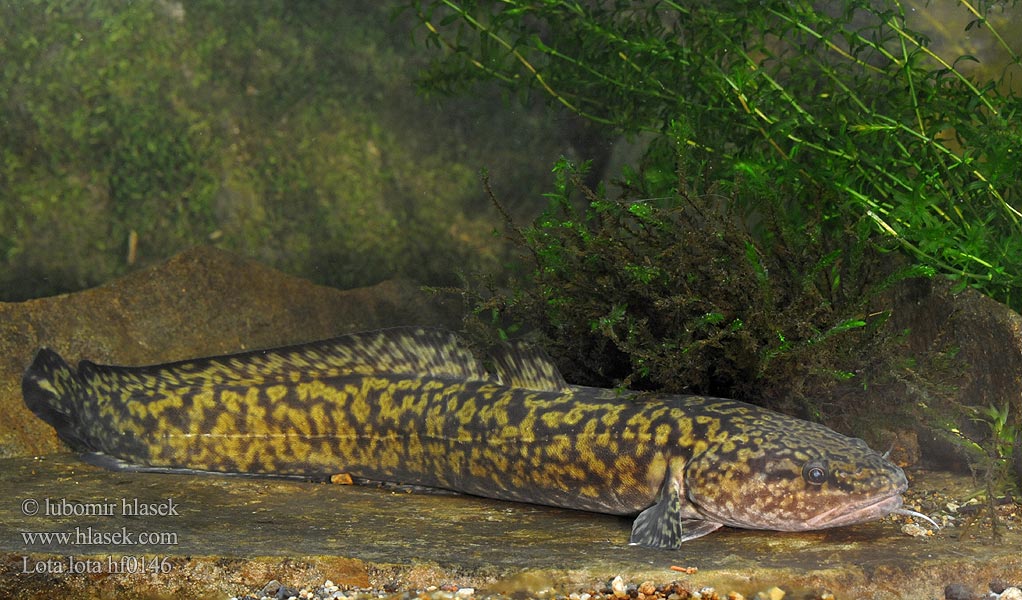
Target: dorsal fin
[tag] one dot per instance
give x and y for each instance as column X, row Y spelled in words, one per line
column 397, row 351
column 521, row 365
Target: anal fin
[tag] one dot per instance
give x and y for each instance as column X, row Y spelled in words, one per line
column 112, row 463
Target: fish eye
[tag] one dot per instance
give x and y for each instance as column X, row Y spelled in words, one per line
column 815, row 472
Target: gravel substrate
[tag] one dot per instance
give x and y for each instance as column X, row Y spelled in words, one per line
column 958, row 509
column 615, row 589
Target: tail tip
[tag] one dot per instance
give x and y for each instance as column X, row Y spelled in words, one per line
column 48, row 388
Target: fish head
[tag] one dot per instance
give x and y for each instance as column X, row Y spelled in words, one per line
column 792, row 475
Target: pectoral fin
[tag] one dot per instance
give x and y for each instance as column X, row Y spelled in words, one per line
column 665, row 524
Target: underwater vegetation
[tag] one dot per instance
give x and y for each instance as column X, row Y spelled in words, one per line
column 798, row 162
column 677, row 294
column 849, row 103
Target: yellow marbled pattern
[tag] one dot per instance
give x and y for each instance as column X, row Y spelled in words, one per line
column 415, row 406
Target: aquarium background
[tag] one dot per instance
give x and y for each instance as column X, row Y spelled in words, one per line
column 322, row 137
column 294, row 133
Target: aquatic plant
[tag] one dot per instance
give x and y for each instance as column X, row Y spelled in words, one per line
column 799, row 161
column 849, row 100
column 994, row 454
column 675, row 292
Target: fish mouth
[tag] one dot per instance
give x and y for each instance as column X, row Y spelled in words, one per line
column 844, row 515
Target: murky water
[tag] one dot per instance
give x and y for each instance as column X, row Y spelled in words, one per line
column 945, row 23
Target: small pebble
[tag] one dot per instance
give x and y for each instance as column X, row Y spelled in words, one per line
column 341, row 479
column 647, row 588
column 1012, row 593
column 735, row 596
column 617, row 586
column 774, row 593
column 915, row 530
column 465, row 592
column 958, row 591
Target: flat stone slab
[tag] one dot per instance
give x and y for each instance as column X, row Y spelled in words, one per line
column 140, row 534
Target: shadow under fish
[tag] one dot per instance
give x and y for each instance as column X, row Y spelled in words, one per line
column 414, row 406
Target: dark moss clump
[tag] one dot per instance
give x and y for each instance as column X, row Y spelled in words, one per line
column 682, row 293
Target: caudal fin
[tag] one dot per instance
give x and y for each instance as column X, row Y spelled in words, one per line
column 53, row 390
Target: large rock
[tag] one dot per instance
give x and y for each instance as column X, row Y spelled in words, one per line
column 977, row 343
column 984, row 335
column 204, row 301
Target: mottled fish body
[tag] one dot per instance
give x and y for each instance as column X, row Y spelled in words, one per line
column 414, row 406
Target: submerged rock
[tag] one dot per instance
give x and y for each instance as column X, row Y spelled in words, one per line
column 980, row 346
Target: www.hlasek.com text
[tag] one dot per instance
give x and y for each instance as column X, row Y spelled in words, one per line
column 89, row 536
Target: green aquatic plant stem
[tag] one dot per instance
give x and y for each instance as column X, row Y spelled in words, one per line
column 811, row 100
column 510, row 48
column 981, row 18
column 888, row 124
